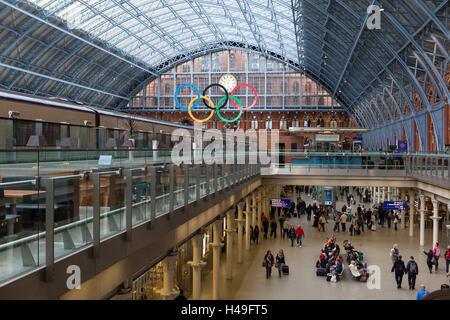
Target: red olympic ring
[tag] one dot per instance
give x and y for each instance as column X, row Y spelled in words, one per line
column 254, row 92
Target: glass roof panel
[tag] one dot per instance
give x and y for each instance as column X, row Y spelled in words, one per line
column 138, row 27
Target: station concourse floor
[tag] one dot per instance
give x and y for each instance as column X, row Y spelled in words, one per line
column 249, row 279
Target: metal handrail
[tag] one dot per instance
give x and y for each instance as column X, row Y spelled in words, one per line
column 87, row 220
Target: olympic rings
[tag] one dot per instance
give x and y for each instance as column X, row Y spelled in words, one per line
column 216, row 85
column 190, row 107
column 225, row 120
column 254, row 101
column 187, row 85
column 220, row 104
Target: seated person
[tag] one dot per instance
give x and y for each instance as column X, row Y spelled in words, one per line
column 337, row 250
column 348, row 246
column 331, row 275
column 356, row 272
column 339, row 267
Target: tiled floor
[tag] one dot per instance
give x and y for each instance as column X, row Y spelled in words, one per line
column 249, row 282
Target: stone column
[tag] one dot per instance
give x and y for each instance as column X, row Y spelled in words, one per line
column 382, row 194
column 372, row 195
column 412, row 211
column 230, row 231
column 247, row 213
column 378, row 195
column 402, row 212
column 435, row 221
column 266, row 203
column 254, row 215
column 388, row 193
column 167, row 292
column 259, row 209
column 197, row 265
column 240, row 221
column 216, row 248
column 422, row 219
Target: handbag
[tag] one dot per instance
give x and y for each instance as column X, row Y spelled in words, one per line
column 264, row 263
column 276, row 264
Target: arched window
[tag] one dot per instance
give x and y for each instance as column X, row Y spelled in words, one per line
column 300, row 90
column 295, row 122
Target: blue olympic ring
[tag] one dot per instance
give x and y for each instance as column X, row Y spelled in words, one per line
column 193, row 87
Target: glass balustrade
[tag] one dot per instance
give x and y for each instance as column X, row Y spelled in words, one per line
column 67, row 200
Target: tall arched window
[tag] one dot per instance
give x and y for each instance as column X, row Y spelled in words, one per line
column 207, row 69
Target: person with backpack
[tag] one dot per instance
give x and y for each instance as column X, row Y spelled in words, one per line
column 437, row 255
column 413, row 270
column 430, row 256
column 447, row 258
column 400, row 270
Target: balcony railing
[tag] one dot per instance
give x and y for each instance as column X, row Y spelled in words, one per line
column 49, row 210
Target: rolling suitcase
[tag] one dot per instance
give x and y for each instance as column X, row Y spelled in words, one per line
column 321, row 272
column 285, row 269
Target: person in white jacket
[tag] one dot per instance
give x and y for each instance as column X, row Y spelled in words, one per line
column 355, row 271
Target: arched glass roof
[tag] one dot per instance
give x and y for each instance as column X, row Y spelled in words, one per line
column 102, row 52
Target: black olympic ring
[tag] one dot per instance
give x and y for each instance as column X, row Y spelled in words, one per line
column 215, row 85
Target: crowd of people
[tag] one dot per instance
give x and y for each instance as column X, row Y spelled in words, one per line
column 330, row 263
column 412, row 269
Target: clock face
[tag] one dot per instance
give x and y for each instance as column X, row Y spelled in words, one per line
column 228, row 81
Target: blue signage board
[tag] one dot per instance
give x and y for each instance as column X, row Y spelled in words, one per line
column 394, row 205
column 402, row 146
column 281, row 203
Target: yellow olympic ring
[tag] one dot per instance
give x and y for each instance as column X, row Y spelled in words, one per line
column 212, row 110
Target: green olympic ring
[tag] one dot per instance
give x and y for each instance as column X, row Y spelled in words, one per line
column 218, row 109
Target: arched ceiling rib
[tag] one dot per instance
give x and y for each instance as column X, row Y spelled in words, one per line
column 102, row 52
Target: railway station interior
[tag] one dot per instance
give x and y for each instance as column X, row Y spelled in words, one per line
column 155, row 149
